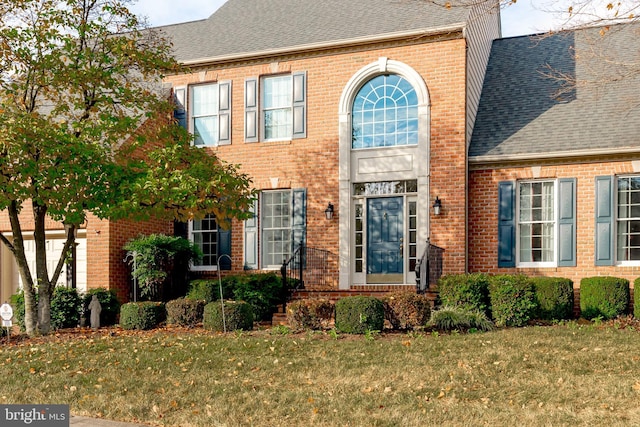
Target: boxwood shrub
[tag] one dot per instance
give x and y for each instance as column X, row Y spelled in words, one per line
column 513, row 301
column 636, row 298
column 603, row 296
column 406, row 310
column 185, row 312
column 142, row 315
column 238, row 315
column 469, row 291
column 310, row 314
column 359, row 314
column 65, row 308
column 108, row 301
column 554, row 296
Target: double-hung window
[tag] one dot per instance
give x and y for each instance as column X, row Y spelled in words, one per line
column 628, row 219
column 214, row 243
column 537, row 223
column 275, row 107
column 210, row 113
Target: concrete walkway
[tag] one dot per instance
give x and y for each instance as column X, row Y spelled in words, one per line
column 99, row 422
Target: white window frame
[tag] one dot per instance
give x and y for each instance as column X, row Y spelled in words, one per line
column 616, row 207
column 192, row 233
column 537, row 264
column 264, row 110
column 213, row 115
column 263, row 240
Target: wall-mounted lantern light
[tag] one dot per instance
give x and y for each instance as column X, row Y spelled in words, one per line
column 437, row 206
column 328, row 213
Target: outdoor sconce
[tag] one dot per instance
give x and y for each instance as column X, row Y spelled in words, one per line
column 437, row 206
column 328, row 213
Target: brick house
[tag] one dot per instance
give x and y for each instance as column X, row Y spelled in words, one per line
column 378, row 110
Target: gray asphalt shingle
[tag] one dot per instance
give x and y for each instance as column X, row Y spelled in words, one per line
column 525, row 112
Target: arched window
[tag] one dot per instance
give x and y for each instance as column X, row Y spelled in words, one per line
column 385, row 113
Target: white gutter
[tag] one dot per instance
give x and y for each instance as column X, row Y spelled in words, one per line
column 552, row 155
column 328, row 45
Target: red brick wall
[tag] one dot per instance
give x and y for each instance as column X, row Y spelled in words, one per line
column 313, row 162
column 483, row 211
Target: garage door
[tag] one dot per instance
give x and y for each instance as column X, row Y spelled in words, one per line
column 54, row 249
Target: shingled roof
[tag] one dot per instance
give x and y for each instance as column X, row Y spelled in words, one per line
column 528, row 111
column 245, row 27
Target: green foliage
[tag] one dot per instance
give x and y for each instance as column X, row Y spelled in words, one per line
column 636, row 298
column 108, row 301
column 603, row 296
column 358, row 314
column 154, row 257
column 17, row 303
column 554, row 296
column 65, row 308
column 238, row 315
column 457, row 318
column 263, row 291
column 204, row 289
column 407, row 310
column 185, row 312
column 142, row 315
column 512, row 299
column 466, row 290
column 310, row 314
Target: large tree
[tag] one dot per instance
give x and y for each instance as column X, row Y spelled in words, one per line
column 86, row 126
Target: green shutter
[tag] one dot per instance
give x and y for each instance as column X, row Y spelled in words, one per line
column 251, row 110
column 251, row 239
column 567, row 222
column 604, row 250
column 299, row 218
column 507, row 224
column 224, row 112
column 180, row 111
column 224, row 247
column 299, row 105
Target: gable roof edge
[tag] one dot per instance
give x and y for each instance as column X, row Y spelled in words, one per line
column 518, row 158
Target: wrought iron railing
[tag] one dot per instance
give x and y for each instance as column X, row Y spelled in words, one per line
column 308, row 267
column 429, row 267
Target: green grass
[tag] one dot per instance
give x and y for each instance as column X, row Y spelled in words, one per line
column 535, row 376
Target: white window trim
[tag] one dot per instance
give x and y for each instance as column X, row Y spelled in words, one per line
column 203, row 267
column 545, row 264
column 191, row 116
column 618, row 263
column 262, row 109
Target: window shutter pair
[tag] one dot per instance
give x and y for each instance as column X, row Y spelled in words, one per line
column 566, row 223
column 252, row 107
column 298, row 228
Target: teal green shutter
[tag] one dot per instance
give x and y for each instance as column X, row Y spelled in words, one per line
column 251, row 239
column 251, row 110
column 224, row 112
column 299, row 218
column 224, row 248
column 180, row 111
column 299, row 105
column 507, row 224
column 604, row 221
column 567, row 222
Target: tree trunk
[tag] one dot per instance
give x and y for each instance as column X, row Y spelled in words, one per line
column 45, row 288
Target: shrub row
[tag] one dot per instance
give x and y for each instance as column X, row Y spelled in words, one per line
column 68, row 307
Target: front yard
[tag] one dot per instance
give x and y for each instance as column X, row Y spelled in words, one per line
column 568, row 374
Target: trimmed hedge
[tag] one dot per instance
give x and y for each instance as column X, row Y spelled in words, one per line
column 636, row 298
column 65, row 308
column 603, row 296
column 185, row 312
column 238, row 315
column 359, row 314
column 142, row 315
column 406, row 310
column 470, row 291
column 554, row 296
column 513, row 300
column 310, row 314
column 108, row 301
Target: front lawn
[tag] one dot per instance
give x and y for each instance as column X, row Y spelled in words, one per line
column 569, row 374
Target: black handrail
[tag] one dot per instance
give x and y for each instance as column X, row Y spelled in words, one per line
column 428, row 267
column 306, row 266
